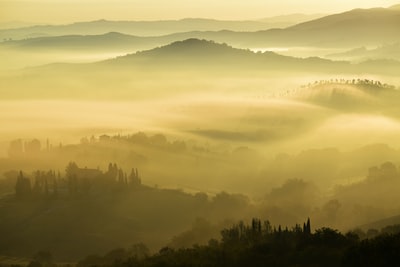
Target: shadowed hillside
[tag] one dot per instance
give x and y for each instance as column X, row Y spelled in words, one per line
column 87, row 211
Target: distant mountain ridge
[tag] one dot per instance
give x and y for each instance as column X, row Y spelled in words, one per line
column 148, row 28
column 298, row 17
column 355, row 28
column 107, row 41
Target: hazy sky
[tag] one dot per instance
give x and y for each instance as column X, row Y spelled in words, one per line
column 61, row 11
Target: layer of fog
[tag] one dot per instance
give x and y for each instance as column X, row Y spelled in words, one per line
column 296, row 148
column 14, row 59
column 268, row 126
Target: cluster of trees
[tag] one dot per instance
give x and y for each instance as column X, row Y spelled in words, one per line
column 258, row 244
column 386, row 171
column 248, row 234
column 44, row 184
column 23, row 187
column 158, row 140
column 84, row 180
column 367, row 82
column 19, row 148
column 77, row 180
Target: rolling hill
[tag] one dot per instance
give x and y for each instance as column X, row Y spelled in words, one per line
column 198, row 54
column 201, row 60
column 204, row 54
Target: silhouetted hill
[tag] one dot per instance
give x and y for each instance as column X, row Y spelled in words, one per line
column 206, row 54
column 194, row 48
column 195, row 52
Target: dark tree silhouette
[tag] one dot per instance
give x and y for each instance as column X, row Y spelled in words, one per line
column 23, row 187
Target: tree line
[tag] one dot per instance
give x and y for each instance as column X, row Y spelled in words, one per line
column 260, row 244
column 77, row 181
